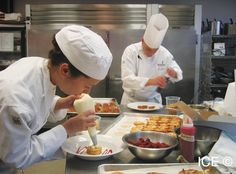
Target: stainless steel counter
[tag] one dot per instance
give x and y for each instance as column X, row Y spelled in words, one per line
column 75, row 165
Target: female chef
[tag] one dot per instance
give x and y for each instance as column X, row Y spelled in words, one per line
column 147, row 65
column 79, row 60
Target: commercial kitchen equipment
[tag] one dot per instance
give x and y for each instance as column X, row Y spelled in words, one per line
column 121, row 25
column 12, row 42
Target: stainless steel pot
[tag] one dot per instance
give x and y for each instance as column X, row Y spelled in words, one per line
column 216, row 27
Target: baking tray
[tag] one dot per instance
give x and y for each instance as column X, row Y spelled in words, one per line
column 122, row 125
column 107, row 100
column 165, row 168
column 71, row 111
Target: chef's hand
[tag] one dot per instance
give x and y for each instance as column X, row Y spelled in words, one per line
column 159, row 81
column 171, row 72
column 66, row 102
column 79, row 122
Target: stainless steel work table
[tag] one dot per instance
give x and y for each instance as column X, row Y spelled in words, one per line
column 75, row 165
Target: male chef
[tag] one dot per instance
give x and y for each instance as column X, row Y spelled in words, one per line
column 147, row 65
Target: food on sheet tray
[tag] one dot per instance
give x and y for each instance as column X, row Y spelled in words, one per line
column 117, row 172
column 94, row 150
column 190, row 171
column 183, row 171
column 145, row 107
column 109, row 107
column 147, row 143
column 166, row 124
column 102, row 107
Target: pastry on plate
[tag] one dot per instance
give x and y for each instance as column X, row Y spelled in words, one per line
column 94, row 150
column 117, row 172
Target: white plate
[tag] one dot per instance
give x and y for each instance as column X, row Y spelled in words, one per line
column 77, row 146
column 148, row 104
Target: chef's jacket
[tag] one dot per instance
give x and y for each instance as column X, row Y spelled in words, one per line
column 137, row 69
column 27, row 100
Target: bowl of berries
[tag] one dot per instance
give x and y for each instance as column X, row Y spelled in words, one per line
column 150, row 145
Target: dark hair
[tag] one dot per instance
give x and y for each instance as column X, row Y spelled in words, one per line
column 57, row 57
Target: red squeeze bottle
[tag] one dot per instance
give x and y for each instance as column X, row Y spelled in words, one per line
column 187, row 140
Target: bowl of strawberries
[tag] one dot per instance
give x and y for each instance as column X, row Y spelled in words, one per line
column 150, row 145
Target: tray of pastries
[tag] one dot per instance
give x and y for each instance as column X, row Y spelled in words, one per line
column 106, row 106
column 133, row 122
column 103, row 107
column 167, row 168
column 158, row 123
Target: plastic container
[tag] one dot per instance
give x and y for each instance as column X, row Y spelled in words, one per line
column 171, row 100
column 187, row 140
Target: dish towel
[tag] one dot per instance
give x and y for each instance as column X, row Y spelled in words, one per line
column 224, row 154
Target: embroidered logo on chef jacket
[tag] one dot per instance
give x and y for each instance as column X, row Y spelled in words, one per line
column 161, row 64
column 161, row 67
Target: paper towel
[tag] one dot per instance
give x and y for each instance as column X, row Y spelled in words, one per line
column 230, row 99
column 223, row 152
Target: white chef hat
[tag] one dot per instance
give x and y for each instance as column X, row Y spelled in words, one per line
column 85, row 50
column 156, row 30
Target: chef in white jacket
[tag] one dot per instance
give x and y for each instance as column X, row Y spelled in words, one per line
column 79, row 60
column 147, row 66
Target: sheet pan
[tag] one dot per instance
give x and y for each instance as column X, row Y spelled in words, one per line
column 165, row 168
column 72, row 112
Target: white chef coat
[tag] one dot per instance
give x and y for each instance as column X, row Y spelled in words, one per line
column 27, row 100
column 137, row 68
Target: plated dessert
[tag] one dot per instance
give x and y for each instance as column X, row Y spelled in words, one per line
column 145, row 107
column 94, row 150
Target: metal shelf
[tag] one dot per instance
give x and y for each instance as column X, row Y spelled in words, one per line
column 219, row 85
column 224, row 36
column 223, row 57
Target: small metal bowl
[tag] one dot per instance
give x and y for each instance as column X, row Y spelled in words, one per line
column 199, row 107
column 205, row 138
column 150, row 154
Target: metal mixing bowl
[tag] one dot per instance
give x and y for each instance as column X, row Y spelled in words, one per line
column 205, row 138
column 199, row 107
column 150, row 153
